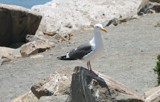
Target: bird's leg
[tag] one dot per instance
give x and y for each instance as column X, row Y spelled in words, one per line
column 89, row 65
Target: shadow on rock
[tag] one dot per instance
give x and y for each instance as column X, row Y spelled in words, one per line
column 88, row 88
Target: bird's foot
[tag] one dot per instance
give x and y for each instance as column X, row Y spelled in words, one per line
column 93, row 73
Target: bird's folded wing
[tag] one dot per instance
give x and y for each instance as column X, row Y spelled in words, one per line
column 80, row 52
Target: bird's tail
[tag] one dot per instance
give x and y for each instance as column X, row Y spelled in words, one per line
column 64, row 58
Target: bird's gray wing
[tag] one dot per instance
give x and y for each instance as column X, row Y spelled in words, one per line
column 80, row 52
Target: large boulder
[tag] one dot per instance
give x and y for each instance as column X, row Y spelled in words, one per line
column 55, row 84
column 149, row 6
column 116, row 21
column 63, row 17
column 35, row 47
column 66, row 85
column 16, row 22
column 54, row 88
column 85, row 87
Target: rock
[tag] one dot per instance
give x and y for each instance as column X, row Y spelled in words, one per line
column 16, row 22
column 157, row 25
column 117, row 21
column 38, row 36
column 81, row 86
column 61, row 98
column 153, row 95
column 68, row 36
column 88, row 88
column 27, row 97
column 55, row 84
column 4, row 60
column 63, row 17
column 5, row 55
column 59, row 38
column 37, row 56
column 149, row 6
column 50, row 33
column 35, row 47
column 16, row 53
column 5, row 52
column 29, row 37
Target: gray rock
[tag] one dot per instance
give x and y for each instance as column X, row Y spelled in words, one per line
column 86, row 87
column 149, row 6
column 15, row 23
column 5, row 52
column 16, row 53
column 63, row 17
column 152, row 95
column 4, row 61
column 61, row 98
column 117, row 21
column 57, row 83
column 29, row 37
column 35, row 47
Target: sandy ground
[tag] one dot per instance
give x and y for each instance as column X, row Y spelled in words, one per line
column 129, row 57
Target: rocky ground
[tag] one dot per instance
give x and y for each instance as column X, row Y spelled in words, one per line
column 130, row 56
column 64, row 17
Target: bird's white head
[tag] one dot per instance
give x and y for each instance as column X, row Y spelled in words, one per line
column 99, row 27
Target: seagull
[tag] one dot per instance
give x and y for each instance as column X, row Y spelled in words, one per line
column 88, row 51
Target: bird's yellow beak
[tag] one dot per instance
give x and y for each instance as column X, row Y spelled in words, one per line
column 104, row 30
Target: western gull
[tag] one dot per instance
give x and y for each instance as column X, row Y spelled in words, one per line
column 88, row 51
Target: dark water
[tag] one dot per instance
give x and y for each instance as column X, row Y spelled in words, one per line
column 24, row 3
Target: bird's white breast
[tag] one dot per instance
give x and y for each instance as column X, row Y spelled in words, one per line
column 97, row 50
